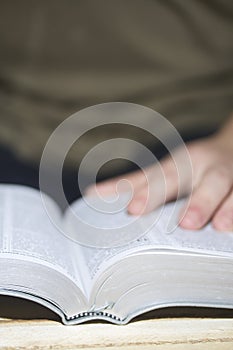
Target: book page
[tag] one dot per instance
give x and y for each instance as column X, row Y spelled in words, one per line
column 205, row 240
column 99, row 226
column 157, row 230
column 26, row 230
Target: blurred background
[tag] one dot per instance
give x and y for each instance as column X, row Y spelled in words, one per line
column 58, row 57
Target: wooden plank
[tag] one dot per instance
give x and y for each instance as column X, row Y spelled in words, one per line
column 165, row 333
column 174, row 329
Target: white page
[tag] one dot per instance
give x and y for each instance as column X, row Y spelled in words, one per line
column 94, row 258
column 27, row 230
column 2, row 199
column 153, row 228
column 206, row 240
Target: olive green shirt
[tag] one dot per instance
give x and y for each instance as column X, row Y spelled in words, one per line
column 57, row 57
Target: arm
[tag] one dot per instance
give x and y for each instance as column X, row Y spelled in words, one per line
column 212, row 195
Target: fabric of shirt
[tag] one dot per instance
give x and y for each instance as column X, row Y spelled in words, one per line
column 57, row 57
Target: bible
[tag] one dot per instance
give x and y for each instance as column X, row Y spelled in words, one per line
column 158, row 268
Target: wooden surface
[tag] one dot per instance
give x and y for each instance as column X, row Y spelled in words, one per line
column 166, row 333
column 156, row 330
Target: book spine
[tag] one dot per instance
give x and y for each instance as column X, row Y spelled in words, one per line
column 91, row 315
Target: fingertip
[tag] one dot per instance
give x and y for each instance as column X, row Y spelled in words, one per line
column 137, row 206
column 192, row 219
column 223, row 224
column 104, row 189
column 90, row 190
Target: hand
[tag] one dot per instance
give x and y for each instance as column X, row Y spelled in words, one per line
column 212, row 178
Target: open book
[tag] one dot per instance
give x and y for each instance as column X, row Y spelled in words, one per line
column 81, row 283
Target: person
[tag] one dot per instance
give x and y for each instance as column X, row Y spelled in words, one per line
column 174, row 57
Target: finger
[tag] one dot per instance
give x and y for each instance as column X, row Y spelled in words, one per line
column 223, row 218
column 208, row 195
column 163, row 184
column 123, row 183
column 137, row 179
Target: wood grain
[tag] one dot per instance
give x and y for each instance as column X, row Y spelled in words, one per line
column 168, row 333
column 27, row 325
